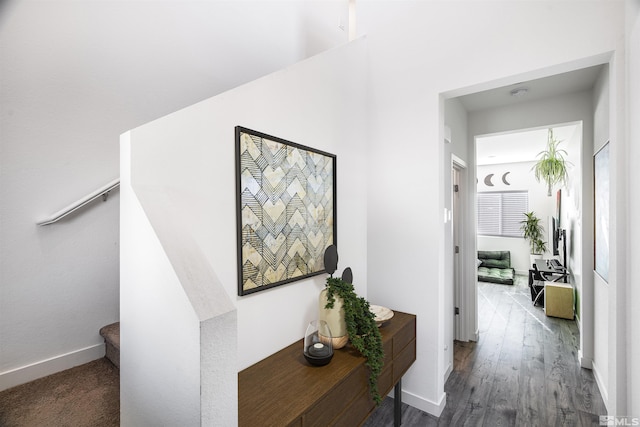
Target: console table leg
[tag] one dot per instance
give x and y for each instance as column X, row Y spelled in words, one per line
column 397, row 404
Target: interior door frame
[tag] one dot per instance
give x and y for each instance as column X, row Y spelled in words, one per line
column 463, row 285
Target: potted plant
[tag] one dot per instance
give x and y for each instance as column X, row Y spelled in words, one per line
column 362, row 328
column 351, row 314
column 552, row 166
column 533, row 231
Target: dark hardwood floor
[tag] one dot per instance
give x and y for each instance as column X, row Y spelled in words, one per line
column 523, row 371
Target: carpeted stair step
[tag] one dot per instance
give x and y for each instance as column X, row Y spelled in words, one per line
column 111, row 335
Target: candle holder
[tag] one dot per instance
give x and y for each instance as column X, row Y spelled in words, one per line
column 318, row 347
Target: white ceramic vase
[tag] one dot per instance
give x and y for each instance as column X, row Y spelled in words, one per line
column 334, row 318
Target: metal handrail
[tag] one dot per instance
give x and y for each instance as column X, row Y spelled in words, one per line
column 102, row 191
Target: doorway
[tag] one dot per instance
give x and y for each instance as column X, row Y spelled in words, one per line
column 578, row 95
column 458, row 169
column 507, row 189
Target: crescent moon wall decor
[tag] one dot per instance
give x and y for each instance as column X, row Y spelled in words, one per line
column 487, row 180
column 504, row 178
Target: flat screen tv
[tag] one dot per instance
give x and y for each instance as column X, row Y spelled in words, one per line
column 553, row 237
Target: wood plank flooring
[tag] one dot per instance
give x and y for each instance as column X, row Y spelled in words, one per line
column 523, row 371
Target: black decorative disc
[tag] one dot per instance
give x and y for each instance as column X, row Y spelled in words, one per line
column 331, row 259
column 347, row 275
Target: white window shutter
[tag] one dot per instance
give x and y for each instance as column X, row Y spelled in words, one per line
column 500, row 213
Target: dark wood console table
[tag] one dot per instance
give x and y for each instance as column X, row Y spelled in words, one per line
column 284, row 390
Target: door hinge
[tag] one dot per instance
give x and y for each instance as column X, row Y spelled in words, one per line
column 457, row 310
column 457, row 249
column 456, row 188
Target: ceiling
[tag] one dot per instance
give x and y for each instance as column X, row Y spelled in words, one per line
column 520, row 146
column 111, row 66
column 559, row 84
column 90, row 80
column 524, row 145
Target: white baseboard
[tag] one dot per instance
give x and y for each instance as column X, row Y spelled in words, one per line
column 448, row 372
column 585, row 362
column 601, row 386
column 423, row 404
column 36, row 370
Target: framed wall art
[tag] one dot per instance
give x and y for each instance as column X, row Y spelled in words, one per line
column 286, row 210
column 601, row 214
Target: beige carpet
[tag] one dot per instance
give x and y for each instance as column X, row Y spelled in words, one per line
column 87, row 395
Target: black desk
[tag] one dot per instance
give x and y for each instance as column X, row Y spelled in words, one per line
column 543, row 271
column 537, row 289
column 550, row 273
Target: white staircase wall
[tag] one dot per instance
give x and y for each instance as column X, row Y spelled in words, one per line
column 178, row 238
column 161, row 364
column 178, row 325
column 131, row 63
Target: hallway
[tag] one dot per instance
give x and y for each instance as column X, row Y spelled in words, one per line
column 523, row 371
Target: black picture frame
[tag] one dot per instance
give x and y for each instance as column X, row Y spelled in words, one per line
column 601, row 195
column 286, row 210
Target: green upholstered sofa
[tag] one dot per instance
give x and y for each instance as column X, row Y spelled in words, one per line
column 495, row 267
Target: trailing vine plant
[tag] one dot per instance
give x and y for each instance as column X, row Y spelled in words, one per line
column 361, row 328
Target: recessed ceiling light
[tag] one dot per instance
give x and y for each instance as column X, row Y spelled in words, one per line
column 518, row 92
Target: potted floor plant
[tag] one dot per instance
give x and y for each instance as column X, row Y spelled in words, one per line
column 552, row 165
column 533, row 232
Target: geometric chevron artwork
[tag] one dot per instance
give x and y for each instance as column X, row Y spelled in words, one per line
column 286, row 210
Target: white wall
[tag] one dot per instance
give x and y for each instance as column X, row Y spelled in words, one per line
column 184, row 166
column 601, row 290
column 600, row 352
column 560, row 109
column 179, row 326
column 160, row 328
column 456, row 119
column 74, row 76
column 633, row 252
column 620, row 215
column 409, row 71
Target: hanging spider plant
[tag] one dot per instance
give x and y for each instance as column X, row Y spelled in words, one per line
column 552, row 166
